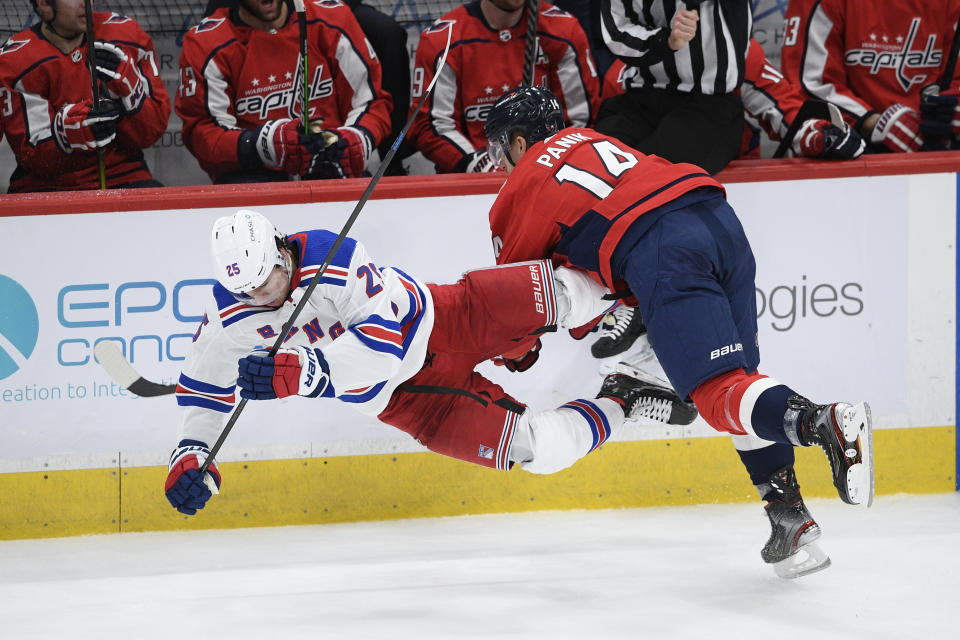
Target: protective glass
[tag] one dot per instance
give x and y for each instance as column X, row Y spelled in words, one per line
column 498, row 151
column 274, row 290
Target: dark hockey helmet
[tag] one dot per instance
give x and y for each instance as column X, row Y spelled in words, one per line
column 533, row 112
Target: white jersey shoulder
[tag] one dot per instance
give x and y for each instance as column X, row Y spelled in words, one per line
column 370, row 324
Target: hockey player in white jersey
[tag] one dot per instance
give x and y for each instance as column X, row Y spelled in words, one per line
column 396, row 348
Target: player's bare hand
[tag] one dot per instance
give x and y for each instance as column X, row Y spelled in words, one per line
column 684, row 28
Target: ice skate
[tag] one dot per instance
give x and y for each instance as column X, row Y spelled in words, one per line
column 791, row 548
column 623, row 326
column 845, row 433
column 645, row 396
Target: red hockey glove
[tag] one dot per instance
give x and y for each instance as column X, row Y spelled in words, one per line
column 184, row 487
column 898, row 129
column 82, row 127
column 290, row 372
column 522, row 363
column 939, row 117
column 120, row 74
column 281, row 144
column 822, row 139
column 476, row 162
column 344, row 153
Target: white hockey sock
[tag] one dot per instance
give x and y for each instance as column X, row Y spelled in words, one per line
column 548, row 441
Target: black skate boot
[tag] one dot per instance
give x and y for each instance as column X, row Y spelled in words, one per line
column 646, row 396
column 845, row 434
column 619, row 336
column 790, row 548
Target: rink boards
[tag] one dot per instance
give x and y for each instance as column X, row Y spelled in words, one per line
column 856, row 300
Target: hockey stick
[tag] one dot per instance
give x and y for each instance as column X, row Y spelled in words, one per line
column 95, row 86
column 111, row 359
column 947, row 76
column 123, row 373
column 333, row 251
column 304, row 68
column 810, row 109
column 530, row 48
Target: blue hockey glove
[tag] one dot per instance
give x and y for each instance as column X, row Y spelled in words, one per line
column 185, row 489
column 292, row 371
column 344, row 153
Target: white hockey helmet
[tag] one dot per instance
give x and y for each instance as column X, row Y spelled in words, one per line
column 245, row 249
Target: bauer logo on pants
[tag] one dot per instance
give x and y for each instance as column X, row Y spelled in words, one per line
column 19, row 326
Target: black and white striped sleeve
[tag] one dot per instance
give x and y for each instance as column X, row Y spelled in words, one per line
column 636, row 31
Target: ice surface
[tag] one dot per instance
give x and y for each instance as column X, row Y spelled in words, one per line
column 681, row 572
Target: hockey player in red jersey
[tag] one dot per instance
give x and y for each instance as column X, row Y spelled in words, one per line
column 663, row 236
column 240, row 93
column 46, row 98
column 485, row 61
column 771, row 101
column 393, row 347
column 873, row 61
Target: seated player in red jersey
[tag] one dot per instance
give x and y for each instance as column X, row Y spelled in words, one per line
column 486, row 60
column 46, row 93
column 241, row 89
column 887, row 67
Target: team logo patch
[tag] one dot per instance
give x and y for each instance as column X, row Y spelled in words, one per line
column 116, row 18
column 328, row 4
column 440, row 25
column 555, row 11
column 12, row 45
column 485, row 452
column 209, row 24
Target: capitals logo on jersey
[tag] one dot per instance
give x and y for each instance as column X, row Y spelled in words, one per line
column 268, row 94
column 116, row 18
column 440, row 25
column 12, row 45
column 208, row 24
column 884, row 52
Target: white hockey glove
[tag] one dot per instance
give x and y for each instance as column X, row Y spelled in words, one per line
column 296, row 371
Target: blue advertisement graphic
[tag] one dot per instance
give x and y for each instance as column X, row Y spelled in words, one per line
column 19, row 325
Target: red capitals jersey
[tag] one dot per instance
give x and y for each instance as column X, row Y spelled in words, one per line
column 794, row 35
column 769, row 99
column 483, row 64
column 864, row 57
column 574, row 195
column 36, row 79
column 234, row 77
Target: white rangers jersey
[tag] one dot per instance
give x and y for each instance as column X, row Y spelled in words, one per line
column 370, row 325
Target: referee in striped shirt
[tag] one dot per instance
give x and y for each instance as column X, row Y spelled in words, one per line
column 688, row 58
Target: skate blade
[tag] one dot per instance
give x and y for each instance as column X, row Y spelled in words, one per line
column 861, row 482
column 808, row 559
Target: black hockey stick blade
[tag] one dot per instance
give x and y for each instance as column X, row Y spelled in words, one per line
column 817, row 109
column 281, row 338
column 111, row 359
